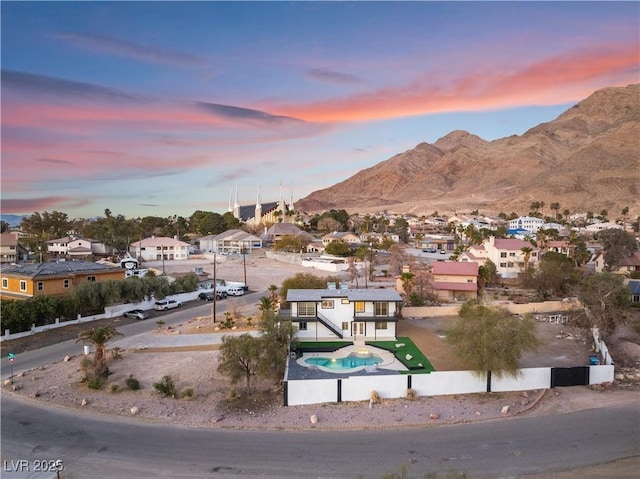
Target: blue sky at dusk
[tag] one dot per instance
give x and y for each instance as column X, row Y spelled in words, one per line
column 161, row 108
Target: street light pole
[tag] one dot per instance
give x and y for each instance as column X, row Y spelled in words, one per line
column 215, row 291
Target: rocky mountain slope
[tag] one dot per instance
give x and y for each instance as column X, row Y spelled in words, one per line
column 587, row 159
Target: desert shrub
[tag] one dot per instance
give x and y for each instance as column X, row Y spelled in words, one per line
column 132, row 383
column 411, row 395
column 374, row 397
column 166, row 387
column 187, row 393
column 229, row 321
column 160, row 323
column 114, row 387
column 116, row 353
column 95, row 383
column 249, row 319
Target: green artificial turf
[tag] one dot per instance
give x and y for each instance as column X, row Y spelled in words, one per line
column 418, row 364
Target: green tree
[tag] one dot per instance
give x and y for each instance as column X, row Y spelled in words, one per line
column 618, row 245
column 555, row 207
column 401, row 227
column 556, row 276
column 306, row 281
column 492, row 339
column 338, row 248
column 289, row 244
column 407, row 284
column 526, row 256
column 99, row 337
column 605, row 303
column 278, row 337
column 487, row 273
column 4, row 226
column 240, row 358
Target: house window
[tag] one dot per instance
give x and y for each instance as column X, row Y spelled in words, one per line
column 381, row 309
column 503, row 265
column 381, row 325
column 65, row 284
column 534, row 254
column 345, row 301
column 327, row 304
column 5, row 283
column 302, row 326
column 91, row 279
column 40, row 286
column 509, row 264
column 512, row 255
column 345, row 325
column 503, row 254
column 23, row 285
column 307, row 308
column 359, row 306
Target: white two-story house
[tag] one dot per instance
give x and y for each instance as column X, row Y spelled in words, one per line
column 160, row 248
column 506, row 253
column 356, row 315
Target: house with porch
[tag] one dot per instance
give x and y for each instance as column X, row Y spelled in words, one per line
column 356, row 315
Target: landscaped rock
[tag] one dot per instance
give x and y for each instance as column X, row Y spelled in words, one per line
column 15, row 387
column 134, row 410
column 313, row 419
column 433, row 415
column 67, row 359
column 7, row 382
column 20, row 374
column 84, row 402
column 619, row 376
column 525, row 394
column 34, row 394
column 505, row 410
column 408, row 357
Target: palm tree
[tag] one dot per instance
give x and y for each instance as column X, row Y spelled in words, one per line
column 407, row 284
column 555, row 207
column 526, row 251
column 566, row 214
column 99, row 338
column 265, row 306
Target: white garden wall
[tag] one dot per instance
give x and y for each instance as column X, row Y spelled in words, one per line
column 312, row 392
column 358, row 388
column 530, row 378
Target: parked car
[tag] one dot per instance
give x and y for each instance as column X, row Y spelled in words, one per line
column 208, row 295
column 442, row 251
column 429, row 250
column 136, row 313
column 166, row 304
column 235, row 290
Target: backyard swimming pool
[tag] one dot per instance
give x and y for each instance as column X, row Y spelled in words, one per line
column 353, row 360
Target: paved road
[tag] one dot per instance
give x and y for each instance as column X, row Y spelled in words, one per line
column 100, row 447
column 133, row 334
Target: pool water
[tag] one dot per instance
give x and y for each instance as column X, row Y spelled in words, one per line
column 348, row 362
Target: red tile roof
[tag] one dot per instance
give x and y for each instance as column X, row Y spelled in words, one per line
column 455, row 268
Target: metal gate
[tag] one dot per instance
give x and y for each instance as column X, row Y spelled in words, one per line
column 577, row 376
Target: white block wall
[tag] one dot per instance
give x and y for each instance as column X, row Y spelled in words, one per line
column 358, row 388
column 312, row 391
column 601, row 374
column 528, row 379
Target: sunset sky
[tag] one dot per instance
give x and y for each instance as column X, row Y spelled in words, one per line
column 161, row 108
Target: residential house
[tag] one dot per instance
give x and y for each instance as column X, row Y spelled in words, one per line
column 634, row 290
column 76, row 248
column 368, row 238
column 278, row 230
column 627, row 265
column 344, row 236
column 56, row 278
column 454, row 281
column 344, row 314
column 229, row 242
column 158, row 248
column 506, row 253
column 11, row 251
column 597, row 227
column 529, row 223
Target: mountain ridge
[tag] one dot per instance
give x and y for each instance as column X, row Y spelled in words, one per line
column 587, row 159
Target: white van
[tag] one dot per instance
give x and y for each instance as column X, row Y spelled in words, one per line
column 166, row 304
column 235, row 290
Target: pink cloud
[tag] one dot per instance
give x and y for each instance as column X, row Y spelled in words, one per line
column 551, row 81
column 27, row 206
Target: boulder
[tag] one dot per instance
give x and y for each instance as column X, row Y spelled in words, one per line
column 84, row 402
column 134, row 410
column 434, row 415
column 505, row 410
column 67, row 359
column 313, row 419
column 7, row 383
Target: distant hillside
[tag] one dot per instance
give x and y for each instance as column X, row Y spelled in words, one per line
column 587, row 159
column 12, row 220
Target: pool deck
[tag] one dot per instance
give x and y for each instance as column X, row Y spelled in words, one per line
column 298, row 369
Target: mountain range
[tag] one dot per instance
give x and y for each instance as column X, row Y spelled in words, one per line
column 587, row 159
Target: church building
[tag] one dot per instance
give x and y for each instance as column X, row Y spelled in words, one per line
column 263, row 214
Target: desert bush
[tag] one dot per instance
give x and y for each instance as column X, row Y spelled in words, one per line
column 132, row 383
column 166, row 387
column 160, row 323
column 116, row 353
column 95, row 383
column 187, row 393
column 374, row 397
column 114, row 387
column 229, row 321
column 411, row 395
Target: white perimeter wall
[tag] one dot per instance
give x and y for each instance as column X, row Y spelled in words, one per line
column 444, row 383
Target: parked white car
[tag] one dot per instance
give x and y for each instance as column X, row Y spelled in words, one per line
column 166, row 304
column 235, row 290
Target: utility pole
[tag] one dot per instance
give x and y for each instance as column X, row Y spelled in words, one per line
column 215, row 291
column 244, row 265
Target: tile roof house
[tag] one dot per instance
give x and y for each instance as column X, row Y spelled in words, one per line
column 72, row 247
column 56, row 278
column 454, row 281
column 278, row 230
column 345, row 236
column 346, row 314
column 158, row 248
column 11, row 251
column 505, row 253
column 231, row 241
column 634, row 290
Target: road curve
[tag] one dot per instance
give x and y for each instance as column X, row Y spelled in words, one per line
column 105, row 447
